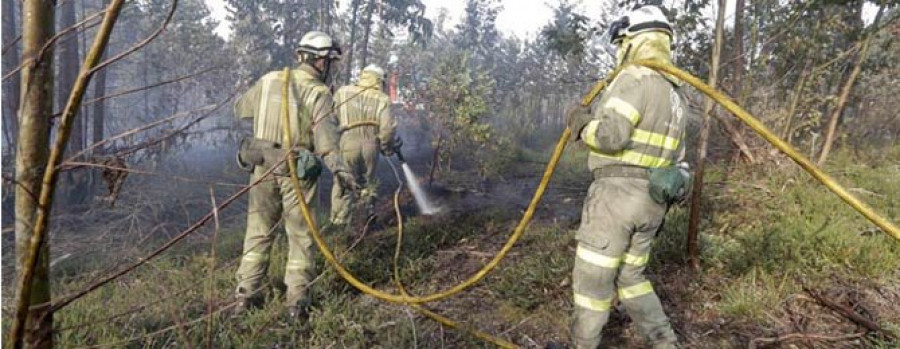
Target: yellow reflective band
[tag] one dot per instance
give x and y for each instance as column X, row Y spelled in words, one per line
column 636, row 158
column 635, row 290
column 636, row 260
column 589, row 134
column 296, row 265
column 623, row 108
column 593, row 304
column 254, row 256
column 596, row 258
column 655, row 139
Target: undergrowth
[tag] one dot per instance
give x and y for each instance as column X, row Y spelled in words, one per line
column 767, row 232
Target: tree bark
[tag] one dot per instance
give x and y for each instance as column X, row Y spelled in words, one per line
column 34, row 251
column 842, row 101
column 693, row 249
column 10, row 61
column 31, row 159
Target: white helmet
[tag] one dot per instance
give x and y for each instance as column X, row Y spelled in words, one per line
column 319, row 45
column 374, row 69
column 644, row 19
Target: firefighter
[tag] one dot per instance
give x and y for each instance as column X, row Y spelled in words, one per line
column 636, row 139
column 315, row 135
column 367, row 128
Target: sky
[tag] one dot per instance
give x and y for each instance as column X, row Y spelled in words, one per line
column 522, row 18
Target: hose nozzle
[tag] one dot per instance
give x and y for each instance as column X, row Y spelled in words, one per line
column 399, row 155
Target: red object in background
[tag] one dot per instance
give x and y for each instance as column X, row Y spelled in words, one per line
column 392, row 87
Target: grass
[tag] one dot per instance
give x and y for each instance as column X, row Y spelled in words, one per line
column 766, row 232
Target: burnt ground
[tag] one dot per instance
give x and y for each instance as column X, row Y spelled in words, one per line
column 538, row 313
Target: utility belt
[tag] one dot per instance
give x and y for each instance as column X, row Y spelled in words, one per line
column 668, row 185
column 358, row 124
column 255, row 152
column 620, row 171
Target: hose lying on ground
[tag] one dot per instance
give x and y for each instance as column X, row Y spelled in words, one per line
column 743, row 115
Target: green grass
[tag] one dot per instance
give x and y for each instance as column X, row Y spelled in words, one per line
column 765, row 230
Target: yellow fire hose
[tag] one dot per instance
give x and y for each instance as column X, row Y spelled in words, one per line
column 415, row 301
column 786, row 148
column 418, row 307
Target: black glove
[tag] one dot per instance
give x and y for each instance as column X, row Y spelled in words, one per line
column 390, row 148
column 347, row 181
column 577, row 116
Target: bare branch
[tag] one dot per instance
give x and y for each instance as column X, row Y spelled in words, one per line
column 140, row 44
column 52, row 42
column 126, row 92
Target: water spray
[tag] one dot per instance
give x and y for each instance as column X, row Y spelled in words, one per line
column 425, row 206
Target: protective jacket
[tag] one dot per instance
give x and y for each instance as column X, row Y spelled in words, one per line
column 313, row 124
column 364, row 113
column 640, row 119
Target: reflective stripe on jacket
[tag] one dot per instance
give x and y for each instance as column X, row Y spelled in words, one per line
column 639, row 121
column 263, row 103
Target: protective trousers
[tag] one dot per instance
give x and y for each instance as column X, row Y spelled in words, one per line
column 270, row 200
column 361, row 158
column 619, row 222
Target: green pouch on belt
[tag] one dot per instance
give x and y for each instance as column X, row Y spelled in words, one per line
column 309, row 167
column 670, row 184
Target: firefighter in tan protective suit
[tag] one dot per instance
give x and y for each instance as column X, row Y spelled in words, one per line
column 367, row 128
column 315, row 135
column 635, row 135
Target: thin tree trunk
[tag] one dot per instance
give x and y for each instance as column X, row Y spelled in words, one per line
column 98, row 117
column 75, row 183
column 99, row 111
column 693, row 249
column 736, row 136
column 739, row 51
column 34, row 329
column 67, row 63
column 435, row 158
column 34, row 252
column 10, row 61
column 348, row 68
column 842, row 102
column 787, row 133
column 370, row 9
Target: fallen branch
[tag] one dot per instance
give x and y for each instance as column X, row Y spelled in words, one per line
column 802, row 336
column 850, row 314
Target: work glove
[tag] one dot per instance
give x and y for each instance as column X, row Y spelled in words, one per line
column 347, row 181
column 390, row 148
column 577, row 116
